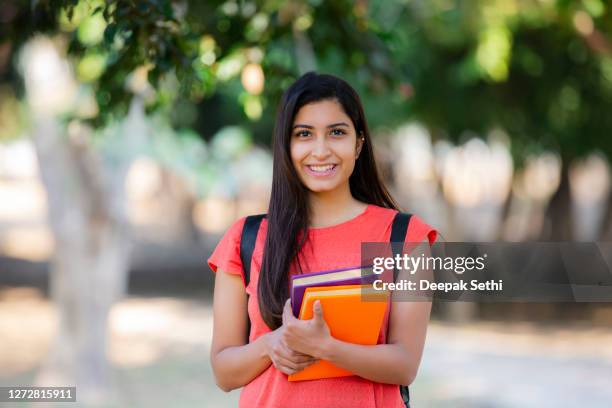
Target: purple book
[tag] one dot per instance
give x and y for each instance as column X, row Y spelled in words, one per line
column 354, row 275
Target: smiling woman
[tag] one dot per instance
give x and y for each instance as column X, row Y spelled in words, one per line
column 327, row 198
column 323, row 149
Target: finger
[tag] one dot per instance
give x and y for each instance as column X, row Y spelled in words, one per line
column 296, row 354
column 287, row 352
column 284, row 369
column 287, row 312
column 295, row 357
column 308, row 362
column 301, row 359
column 318, row 311
column 286, row 362
column 302, row 366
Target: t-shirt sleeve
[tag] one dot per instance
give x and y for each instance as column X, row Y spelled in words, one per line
column 418, row 231
column 226, row 255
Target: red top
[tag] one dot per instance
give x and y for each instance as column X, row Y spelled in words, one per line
column 335, row 247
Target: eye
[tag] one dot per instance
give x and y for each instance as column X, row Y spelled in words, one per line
column 302, row 133
column 338, row 132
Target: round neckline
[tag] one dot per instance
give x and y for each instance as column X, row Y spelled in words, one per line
column 331, row 228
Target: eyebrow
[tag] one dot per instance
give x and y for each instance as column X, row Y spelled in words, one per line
column 328, row 126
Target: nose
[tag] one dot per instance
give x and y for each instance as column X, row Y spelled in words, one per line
column 320, row 150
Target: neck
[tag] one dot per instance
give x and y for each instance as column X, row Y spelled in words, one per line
column 333, row 207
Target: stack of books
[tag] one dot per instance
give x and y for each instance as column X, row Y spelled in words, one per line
column 352, row 308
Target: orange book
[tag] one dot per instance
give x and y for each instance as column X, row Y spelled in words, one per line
column 350, row 317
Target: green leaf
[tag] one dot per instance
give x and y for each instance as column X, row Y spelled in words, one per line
column 109, row 34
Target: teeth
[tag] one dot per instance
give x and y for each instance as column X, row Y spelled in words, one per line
column 322, row 169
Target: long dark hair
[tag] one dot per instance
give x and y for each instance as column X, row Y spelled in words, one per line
column 288, row 212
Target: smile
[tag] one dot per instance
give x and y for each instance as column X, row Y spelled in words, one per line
column 321, row 170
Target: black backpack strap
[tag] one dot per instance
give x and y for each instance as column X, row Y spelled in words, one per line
column 247, row 245
column 398, row 235
column 405, row 393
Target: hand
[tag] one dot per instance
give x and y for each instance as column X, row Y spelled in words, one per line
column 284, row 359
column 309, row 337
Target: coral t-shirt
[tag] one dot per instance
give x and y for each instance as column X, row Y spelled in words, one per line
column 327, row 248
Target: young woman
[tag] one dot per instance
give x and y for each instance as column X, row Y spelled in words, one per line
column 326, row 199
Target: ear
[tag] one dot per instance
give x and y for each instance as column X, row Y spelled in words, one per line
column 360, row 142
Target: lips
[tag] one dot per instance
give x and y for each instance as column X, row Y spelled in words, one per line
column 321, row 169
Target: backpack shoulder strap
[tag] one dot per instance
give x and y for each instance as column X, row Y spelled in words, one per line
column 400, row 227
column 398, row 235
column 247, row 245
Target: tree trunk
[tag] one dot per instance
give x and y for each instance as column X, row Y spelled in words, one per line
column 87, row 216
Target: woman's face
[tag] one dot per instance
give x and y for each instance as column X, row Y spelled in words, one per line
column 324, row 146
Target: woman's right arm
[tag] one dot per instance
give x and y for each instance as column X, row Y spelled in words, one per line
column 235, row 363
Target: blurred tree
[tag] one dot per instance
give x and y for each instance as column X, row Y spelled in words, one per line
column 540, row 70
column 171, row 56
column 199, row 54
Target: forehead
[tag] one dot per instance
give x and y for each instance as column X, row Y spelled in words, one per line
column 321, row 114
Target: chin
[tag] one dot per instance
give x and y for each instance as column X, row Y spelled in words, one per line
column 322, row 185
column 319, row 188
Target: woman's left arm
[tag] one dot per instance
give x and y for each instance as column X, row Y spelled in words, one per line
column 396, row 362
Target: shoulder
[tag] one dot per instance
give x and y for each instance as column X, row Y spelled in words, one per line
column 418, row 229
column 238, row 226
column 231, row 236
column 381, row 213
column 226, row 255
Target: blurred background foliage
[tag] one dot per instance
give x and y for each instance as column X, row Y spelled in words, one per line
column 539, row 69
column 138, row 130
